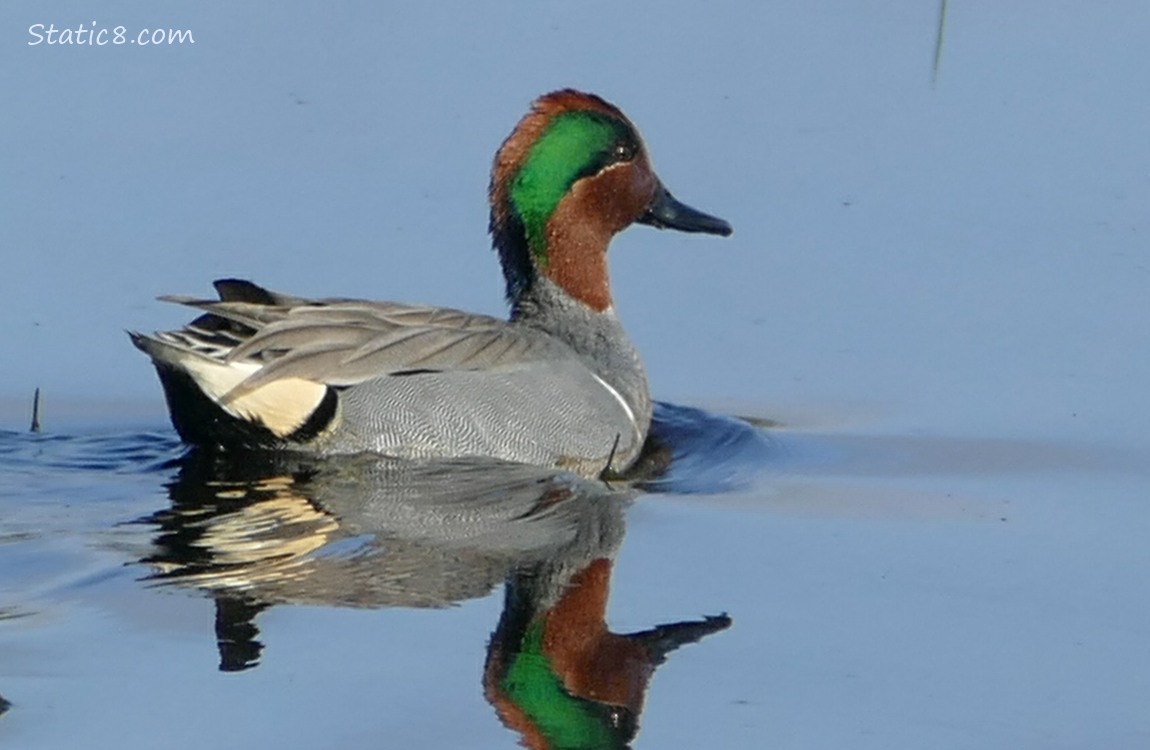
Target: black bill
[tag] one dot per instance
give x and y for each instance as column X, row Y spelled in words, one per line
column 667, row 213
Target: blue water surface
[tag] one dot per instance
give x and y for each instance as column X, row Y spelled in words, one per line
column 906, row 504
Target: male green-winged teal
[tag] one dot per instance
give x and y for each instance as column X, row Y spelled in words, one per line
column 558, row 384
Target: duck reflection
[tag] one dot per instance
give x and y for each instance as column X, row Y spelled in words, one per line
column 377, row 532
column 557, row 675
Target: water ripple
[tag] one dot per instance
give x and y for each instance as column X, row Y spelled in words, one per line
column 695, row 452
column 138, row 452
column 709, row 453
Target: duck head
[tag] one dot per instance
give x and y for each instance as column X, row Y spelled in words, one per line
column 572, row 174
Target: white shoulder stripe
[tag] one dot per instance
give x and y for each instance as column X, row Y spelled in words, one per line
column 618, row 397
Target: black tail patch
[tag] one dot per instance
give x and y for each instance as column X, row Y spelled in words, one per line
column 201, row 421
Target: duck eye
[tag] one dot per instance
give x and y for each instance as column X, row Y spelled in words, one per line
column 624, row 151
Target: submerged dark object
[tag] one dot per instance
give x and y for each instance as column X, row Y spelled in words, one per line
column 35, row 415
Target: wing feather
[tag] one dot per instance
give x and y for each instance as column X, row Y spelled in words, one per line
column 341, row 342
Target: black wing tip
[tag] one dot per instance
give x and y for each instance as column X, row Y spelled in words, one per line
column 242, row 290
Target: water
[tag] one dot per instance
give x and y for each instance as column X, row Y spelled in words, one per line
column 110, row 542
column 969, row 591
column 934, row 308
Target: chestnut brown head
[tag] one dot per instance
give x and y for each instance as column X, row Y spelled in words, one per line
column 572, row 174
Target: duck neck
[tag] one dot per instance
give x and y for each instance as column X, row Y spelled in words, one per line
column 596, row 336
column 563, row 290
column 547, row 305
column 570, row 253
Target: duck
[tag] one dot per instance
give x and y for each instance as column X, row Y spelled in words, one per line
column 557, row 384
